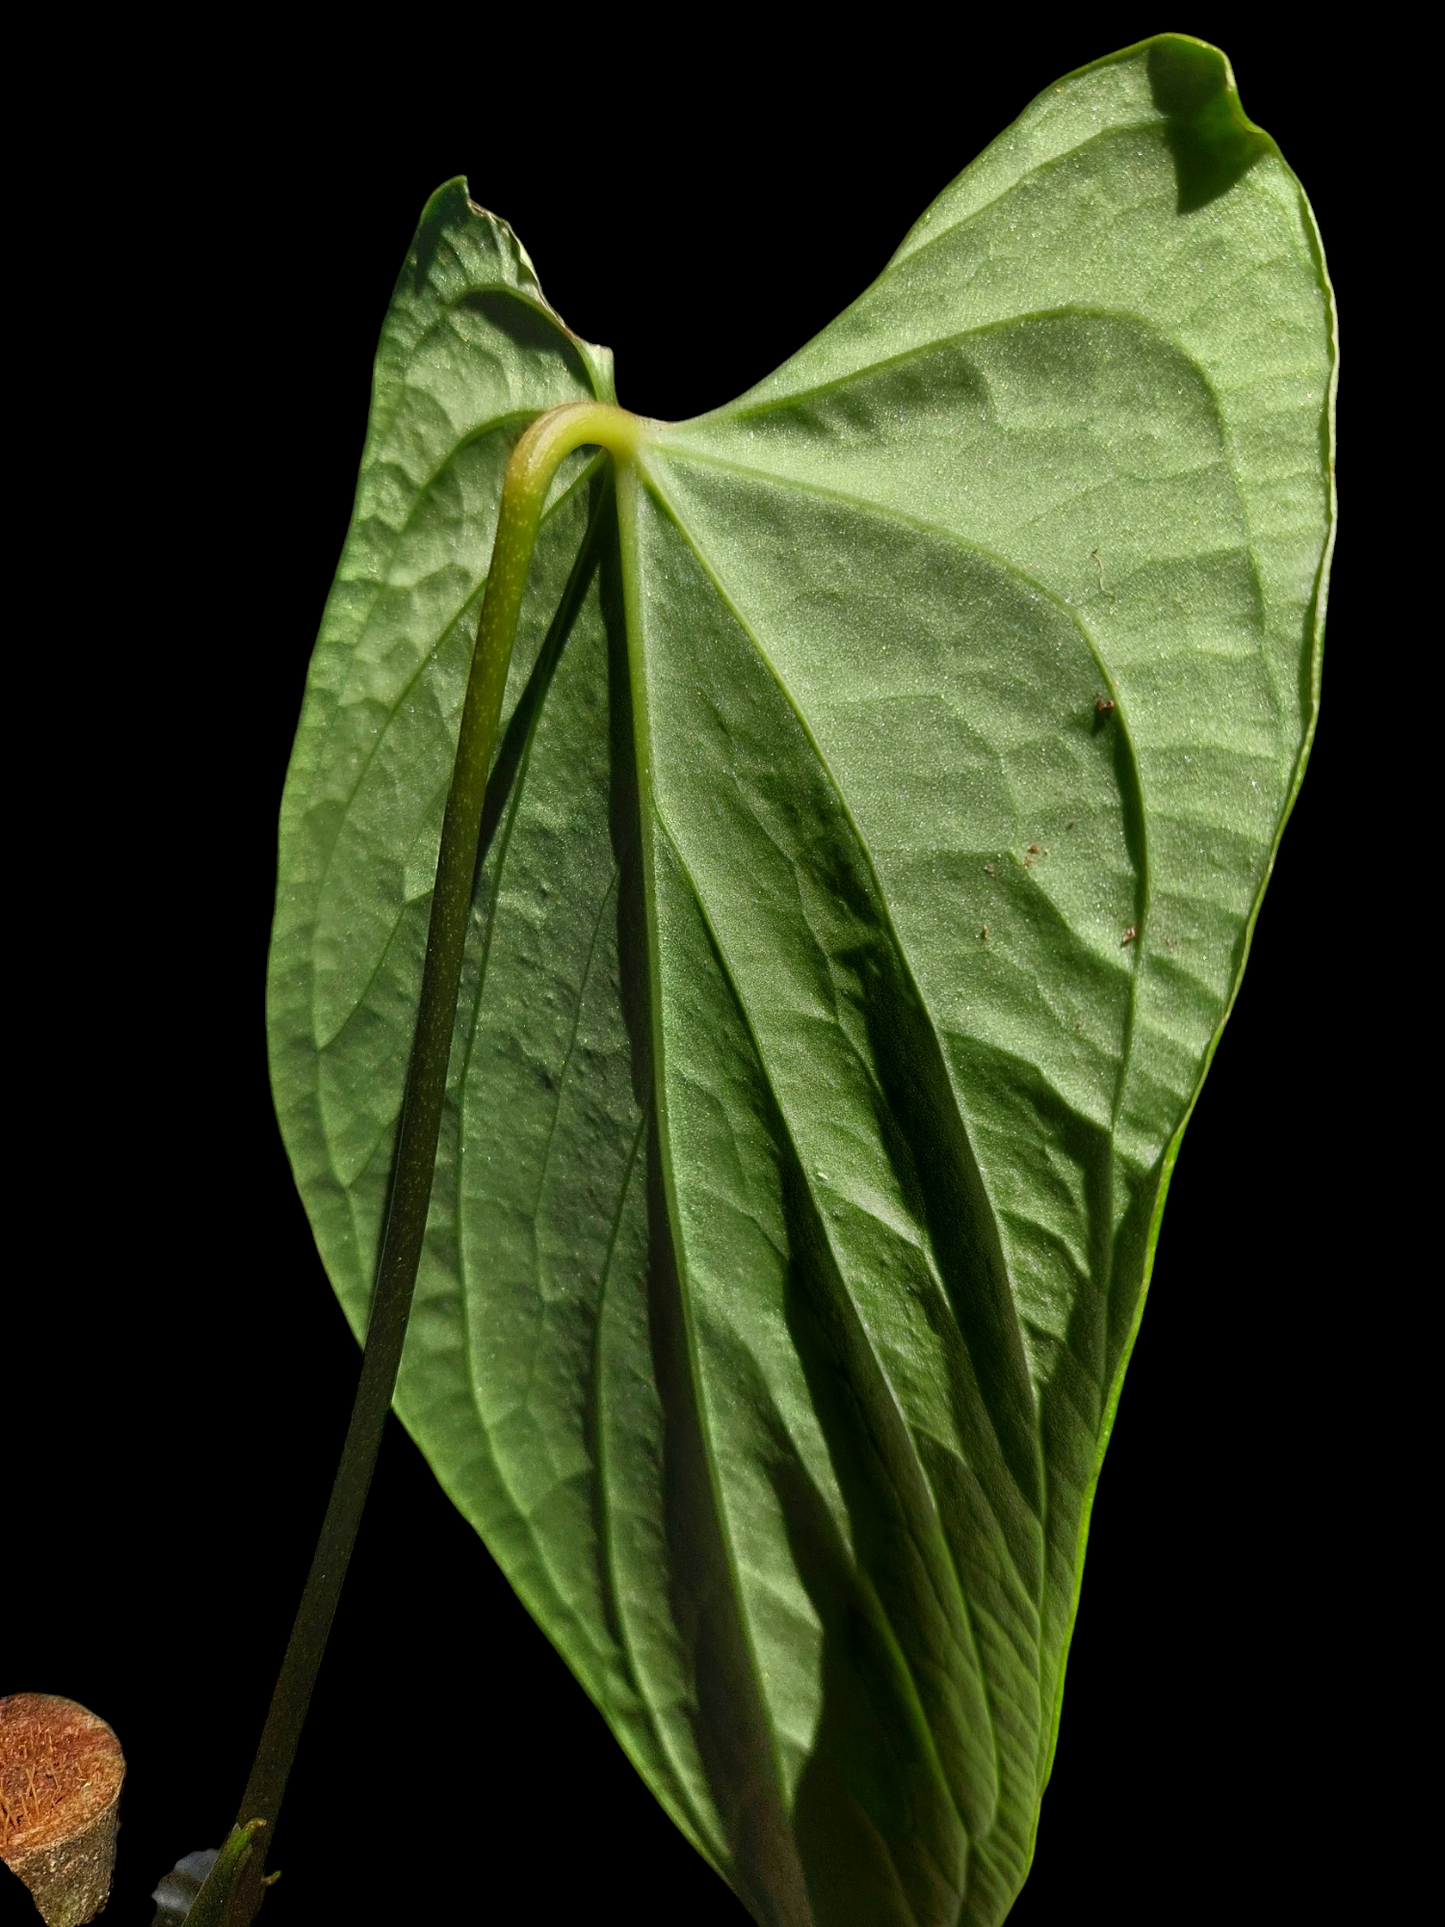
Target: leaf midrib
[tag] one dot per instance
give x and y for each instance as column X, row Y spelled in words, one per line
column 1105, row 1285
column 1066, row 609
column 889, row 929
column 919, row 1721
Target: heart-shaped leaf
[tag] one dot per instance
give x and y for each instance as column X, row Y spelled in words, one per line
column 871, row 855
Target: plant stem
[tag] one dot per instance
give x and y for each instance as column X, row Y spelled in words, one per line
column 529, row 474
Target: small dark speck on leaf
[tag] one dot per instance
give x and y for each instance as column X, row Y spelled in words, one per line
column 1033, row 849
column 983, row 934
column 1071, row 822
column 1129, row 935
column 1103, row 705
column 988, row 869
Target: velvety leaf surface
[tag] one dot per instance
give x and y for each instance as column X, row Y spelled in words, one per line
column 870, row 863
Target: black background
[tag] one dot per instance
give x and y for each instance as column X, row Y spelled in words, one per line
column 210, row 227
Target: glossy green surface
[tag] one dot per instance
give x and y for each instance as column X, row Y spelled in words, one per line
column 867, row 879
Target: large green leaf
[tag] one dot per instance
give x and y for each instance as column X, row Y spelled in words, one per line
column 871, row 857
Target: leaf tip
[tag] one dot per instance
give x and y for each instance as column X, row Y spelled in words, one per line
column 1213, row 142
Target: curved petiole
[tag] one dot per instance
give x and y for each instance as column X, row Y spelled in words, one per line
column 238, row 1880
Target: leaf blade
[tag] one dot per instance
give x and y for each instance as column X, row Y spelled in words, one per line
column 869, row 888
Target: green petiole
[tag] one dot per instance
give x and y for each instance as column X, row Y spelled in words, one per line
column 233, row 1891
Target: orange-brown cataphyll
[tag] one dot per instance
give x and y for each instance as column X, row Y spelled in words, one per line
column 61, row 1770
